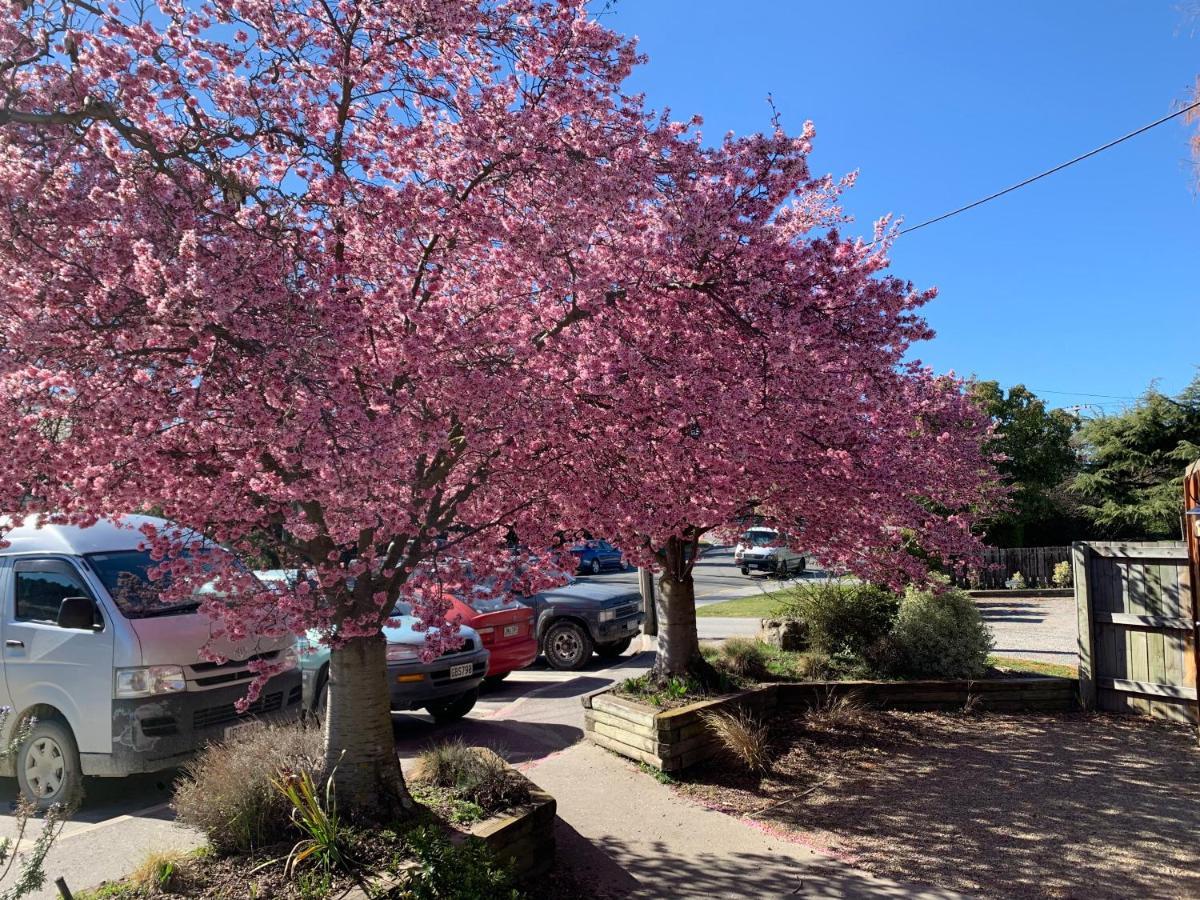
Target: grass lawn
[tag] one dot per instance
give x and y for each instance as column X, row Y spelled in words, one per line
column 1033, row 667
column 756, row 606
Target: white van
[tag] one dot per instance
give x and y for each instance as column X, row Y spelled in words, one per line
column 113, row 679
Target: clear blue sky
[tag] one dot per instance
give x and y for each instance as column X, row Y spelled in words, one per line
column 1085, row 282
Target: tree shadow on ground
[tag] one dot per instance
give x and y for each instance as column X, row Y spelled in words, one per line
column 601, row 869
column 1006, row 806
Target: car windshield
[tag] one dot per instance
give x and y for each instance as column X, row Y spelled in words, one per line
column 760, row 538
column 126, row 576
column 488, row 603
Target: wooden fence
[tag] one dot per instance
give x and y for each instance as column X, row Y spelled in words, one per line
column 1137, row 628
column 1036, row 565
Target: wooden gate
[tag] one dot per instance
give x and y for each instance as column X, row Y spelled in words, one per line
column 1137, row 628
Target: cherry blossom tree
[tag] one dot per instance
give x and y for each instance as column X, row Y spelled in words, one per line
column 376, row 285
column 776, row 386
column 299, row 270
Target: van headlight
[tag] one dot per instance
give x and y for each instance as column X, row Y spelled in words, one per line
column 399, row 653
column 145, row 681
column 288, row 659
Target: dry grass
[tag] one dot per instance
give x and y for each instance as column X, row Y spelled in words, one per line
column 478, row 777
column 226, row 792
column 839, row 712
column 742, row 736
column 161, row 870
column 744, row 658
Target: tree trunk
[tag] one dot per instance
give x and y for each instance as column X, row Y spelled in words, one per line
column 360, row 749
column 678, row 641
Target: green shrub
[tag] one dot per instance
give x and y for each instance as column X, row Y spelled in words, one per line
column 744, row 658
column 843, row 618
column 1062, row 576
column 227, row 794
column 939, row 636
column 481, row 778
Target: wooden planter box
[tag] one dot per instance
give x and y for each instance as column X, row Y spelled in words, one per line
column 523, row 838
column 674, row 739
column 668, row 739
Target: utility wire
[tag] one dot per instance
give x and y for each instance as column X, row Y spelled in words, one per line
column 1084, row 394
column 1057, row 168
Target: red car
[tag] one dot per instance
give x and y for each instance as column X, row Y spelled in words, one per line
column 506, row 628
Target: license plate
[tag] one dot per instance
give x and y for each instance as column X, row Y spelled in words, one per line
column 242, row 728
column 510, row 630
column 463, row 671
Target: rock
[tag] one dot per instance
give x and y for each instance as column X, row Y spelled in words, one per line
column 786, row 634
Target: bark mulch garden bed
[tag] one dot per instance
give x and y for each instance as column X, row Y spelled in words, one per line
column 1028, row 805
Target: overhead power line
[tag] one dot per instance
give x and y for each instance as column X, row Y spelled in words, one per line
column 1084, row 394
column 1058, row 168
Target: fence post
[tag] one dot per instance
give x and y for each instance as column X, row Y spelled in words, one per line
column 1083, row 611
column 1191, row 525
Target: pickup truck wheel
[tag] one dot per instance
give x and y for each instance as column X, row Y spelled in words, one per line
column 453, row 709
column 568, row 647
column 48, row 769
column 615, row 649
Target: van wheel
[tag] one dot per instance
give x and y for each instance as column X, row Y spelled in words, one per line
column 48, row 770
column 453, row 709
column 568, row 647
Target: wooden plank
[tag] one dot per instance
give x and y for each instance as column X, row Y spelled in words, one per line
column 1170, row 551
column 1173, row 648
column 1153, row 689
column 1139, row 621
column 1083, row 617
column 1136, row 590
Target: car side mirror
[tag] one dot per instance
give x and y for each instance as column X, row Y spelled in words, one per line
column 78, row 613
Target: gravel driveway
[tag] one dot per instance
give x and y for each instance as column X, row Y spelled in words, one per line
column 1042, row 628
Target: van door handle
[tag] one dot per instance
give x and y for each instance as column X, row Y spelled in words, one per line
column 12, row 643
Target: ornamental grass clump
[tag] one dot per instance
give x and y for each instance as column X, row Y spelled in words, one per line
column 743, row 737
column 744, row 658
column 227, row 792
column 471, row 774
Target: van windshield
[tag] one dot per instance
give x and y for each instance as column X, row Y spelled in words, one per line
column 126, row 576
column 760, row 537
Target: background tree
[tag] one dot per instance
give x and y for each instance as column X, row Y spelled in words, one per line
column 1131, row 482
column 1036, row 458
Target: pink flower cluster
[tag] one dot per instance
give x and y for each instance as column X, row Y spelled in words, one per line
column 379, row 287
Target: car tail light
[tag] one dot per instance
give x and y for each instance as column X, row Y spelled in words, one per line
column 486, row 634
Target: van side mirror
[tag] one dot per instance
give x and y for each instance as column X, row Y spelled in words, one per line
column 78, row 613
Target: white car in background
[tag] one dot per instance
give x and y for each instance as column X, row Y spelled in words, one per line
column 762, row 549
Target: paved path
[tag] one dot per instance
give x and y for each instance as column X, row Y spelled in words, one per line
column 630, row 836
